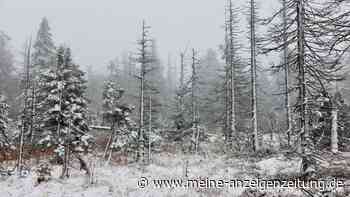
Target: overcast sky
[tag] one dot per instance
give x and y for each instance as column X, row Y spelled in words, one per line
column 99, row 30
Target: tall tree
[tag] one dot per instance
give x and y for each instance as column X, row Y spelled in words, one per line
column 210, row 107
column 117, row 115
column 286, row 72
column 8, row 79
column 231, row 70
column 44, row 48
column 194, row 102
column 182, row 90
column 27, row 116
column 234, row 78
column 145, row 59
column 155, row 88
column 42, row 60
column 253, row 68
column 64, row 107
column 310, row 56
column 6, row 61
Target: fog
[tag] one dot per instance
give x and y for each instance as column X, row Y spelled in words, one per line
column 98, row 31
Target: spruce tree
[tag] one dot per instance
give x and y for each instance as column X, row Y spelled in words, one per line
column 8, row 82
column 314, row 61
column 41, row 60
column 4, row 137
column 64, row 105
column 44, row 48
column 117, row 114
column 234, row 89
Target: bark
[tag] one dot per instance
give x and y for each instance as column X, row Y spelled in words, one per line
column 65, row 168
column 144, row 60
column 286, row 73
column 226, row 84
column 334, row 133
column 182, row 76
column 253, row 75
column 33, row 108
column 301, row 75
column 110, row 141
column 232, row 113
column 149, row 129
column 25, row 110
column 194, row 102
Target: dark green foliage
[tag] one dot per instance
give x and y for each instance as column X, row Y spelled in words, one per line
column 63, row 103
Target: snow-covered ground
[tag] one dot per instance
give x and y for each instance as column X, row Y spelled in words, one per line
column 119, row 181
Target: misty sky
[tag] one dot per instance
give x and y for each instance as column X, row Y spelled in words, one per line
column 99, row 30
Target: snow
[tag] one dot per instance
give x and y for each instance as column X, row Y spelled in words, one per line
column 113, row 181
column 100, row 127
column 279, row 165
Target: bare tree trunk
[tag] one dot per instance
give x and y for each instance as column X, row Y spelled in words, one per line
column 25, row 115
column 253, row 75
column 286, row 73
column 21, row 149
column 334, row 134
column 182, row 82
column 143, row 60
column 113, row 139
column 149, row 128
column 110, row 141
column 227, row 98
column 226, row 84
column 301, row 76
column 33, row 107
column 60, row 92
column 194, row 102
column 65, row 168
column 227, row 106
column 232, row 112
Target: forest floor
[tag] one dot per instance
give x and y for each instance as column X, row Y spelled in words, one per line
column 135, row 181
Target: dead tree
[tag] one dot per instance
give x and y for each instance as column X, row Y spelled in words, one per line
column 253, row 47
column 24, row 126
column 286, row 73
column 310, row 56
column 145, row 59
column 232, row 77
column 182, row 82
column 227, row 82
column 194, row 103
column 232, row 60
column 149, row 128
column 301, row 68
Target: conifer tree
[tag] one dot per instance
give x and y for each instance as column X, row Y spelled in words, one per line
column 235, row 85
column 42, row 59
column 314, row 61
column 4, row 137
column 145, row 60
column 253, row 71
column 44, row 48
column 117, row 115
column 8, row 82
column 64, row 107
